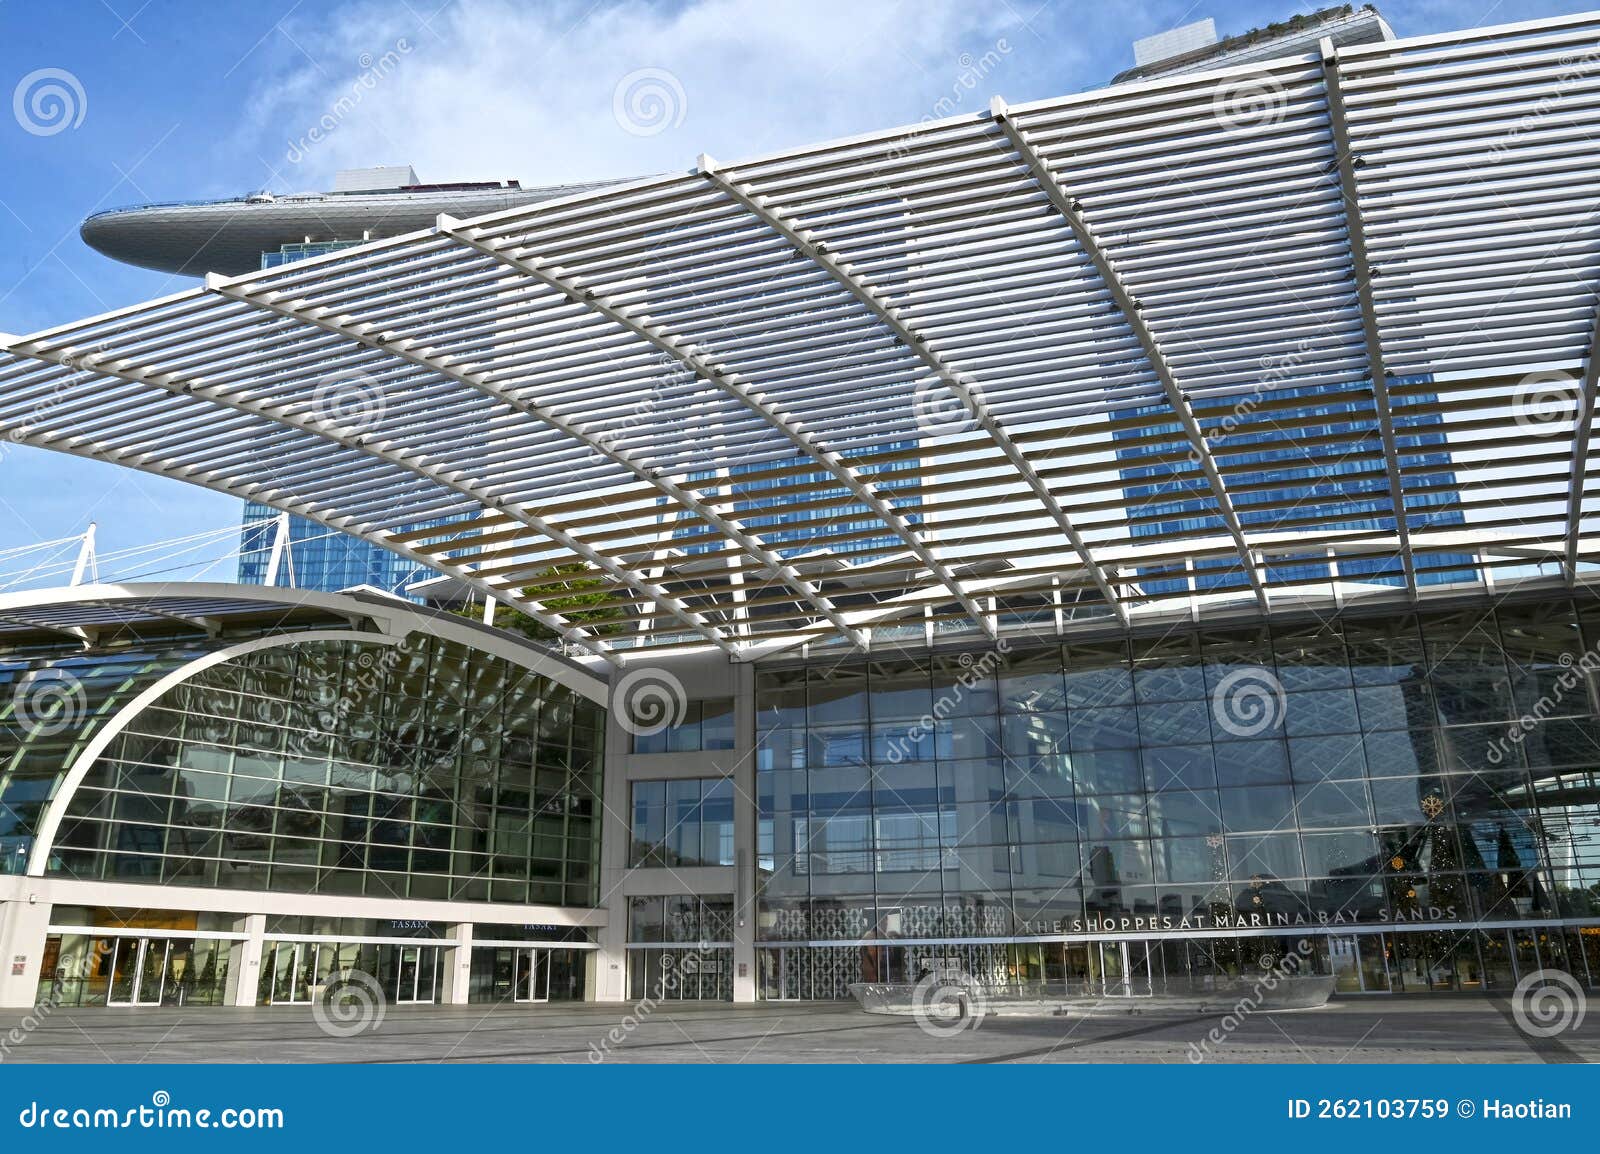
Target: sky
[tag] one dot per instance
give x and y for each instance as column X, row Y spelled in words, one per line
column 195, row 99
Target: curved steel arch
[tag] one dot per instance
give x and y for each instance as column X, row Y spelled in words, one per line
column 553, row 621
column 860, row 288
column 730, row 383
column 404, row 350
column 56, row 811
column 320, row 429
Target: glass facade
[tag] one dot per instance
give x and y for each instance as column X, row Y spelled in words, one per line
column 763, row 492
column 421, row 770
column 706, row 725
column 1333, row 778
column 1290, row 477
column 680, row 948
column 52, row 702
column 682, row 822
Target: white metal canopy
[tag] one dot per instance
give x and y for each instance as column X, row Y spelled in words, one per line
column 985, row 369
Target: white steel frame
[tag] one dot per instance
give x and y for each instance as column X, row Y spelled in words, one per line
column 702, row 389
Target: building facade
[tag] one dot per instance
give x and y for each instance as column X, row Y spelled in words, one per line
column 226, row 798
column 1409, row 802
column 1134, row 683
column 1128, row 812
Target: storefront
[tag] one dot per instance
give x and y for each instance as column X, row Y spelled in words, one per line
column 529, row 964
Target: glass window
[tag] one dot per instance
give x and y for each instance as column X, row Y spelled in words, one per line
column 682, row 822
column 900, row 691
column 1252, row 762
column 1264, row 807
column 1189, row 859
column 1321, row 711
column 1098, row 675
column 1106, row 771
column 705, row 725
column 1331, row 803
column 1263, row 857
column 1336, row 758
column 1179, row 767
column 1350, row 853
column 1189, row 813
column 1032, row 683
column 1173, row 722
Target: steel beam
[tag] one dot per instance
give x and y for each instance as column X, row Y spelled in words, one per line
column 105, row 365
column 1362, row 272
column 300, row 312
column 693, row 359
column 858, row 286
column 1583, row 419
column 414, row 353
column 1068, row 208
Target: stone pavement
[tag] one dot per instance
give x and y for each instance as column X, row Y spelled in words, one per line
column 1444, row 1029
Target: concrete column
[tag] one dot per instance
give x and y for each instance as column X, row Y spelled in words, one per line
column 610, row 976
column 744, row 837
column 458, row 965
column 244, row 974
column 22, row 935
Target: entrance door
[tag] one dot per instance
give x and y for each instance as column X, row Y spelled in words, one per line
column 293, row 967
column 533, row 975
column 138, row 971
column 1124, row 968
column 415, row 975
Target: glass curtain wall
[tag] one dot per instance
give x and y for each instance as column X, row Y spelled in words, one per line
column 1332, row 776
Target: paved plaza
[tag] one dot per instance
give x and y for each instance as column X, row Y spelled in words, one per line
column 1396, row 1029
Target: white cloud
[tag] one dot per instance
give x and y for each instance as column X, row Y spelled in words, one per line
column 494, row 89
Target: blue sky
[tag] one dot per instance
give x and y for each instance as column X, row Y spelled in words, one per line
column 191, row 99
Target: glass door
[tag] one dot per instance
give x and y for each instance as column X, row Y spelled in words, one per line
column 415, row 975
column 1124, row 968
column 540, row 989
column 138, row 970
column 293, row 966
column 1344, row 960
column 1373, row 953
column 532, row 975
